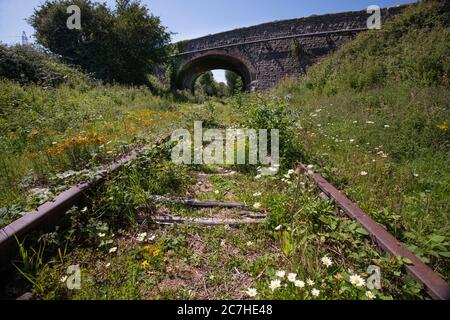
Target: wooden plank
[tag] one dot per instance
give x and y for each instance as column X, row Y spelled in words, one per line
column 204, row 221
column 198, row 203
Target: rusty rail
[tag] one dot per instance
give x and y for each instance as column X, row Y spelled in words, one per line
column 435, row 286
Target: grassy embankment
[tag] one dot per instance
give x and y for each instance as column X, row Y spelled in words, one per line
column 373, row 118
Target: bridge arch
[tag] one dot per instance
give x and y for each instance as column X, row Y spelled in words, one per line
column 213, row 60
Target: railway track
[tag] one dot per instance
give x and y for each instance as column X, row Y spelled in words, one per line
column 48, row 215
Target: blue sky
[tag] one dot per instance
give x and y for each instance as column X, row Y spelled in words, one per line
column 195, row 18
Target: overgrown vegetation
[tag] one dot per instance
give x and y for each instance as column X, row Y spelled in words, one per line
column 372, row 118
column 31, row 65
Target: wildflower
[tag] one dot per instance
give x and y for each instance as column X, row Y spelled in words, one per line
column 250, row 243
column 223, row 243
column 338, row 277
column 216, row 192
column 251, row 292
column 113, row 249
column 141, row 237
column 280, row 273
column 63, row 279
column 152, row 238
column 299, row 284
column 355, row 122
column 258, row 177
column 310, row 282
column 291, row 171
column 370, row 122
column 292, row 277
column 84, row 209
column 370, row 295
column 357, row 280
column 387, row 126
column 443, row 126
column 416, row 175
column 257, row 205
column 275, row 284
column 108, row 265
column 279, row 227
column 257, row 194
column 364, row 173
column 327, row 262
column 101, row 235
column 315, row 292
column 352, row 140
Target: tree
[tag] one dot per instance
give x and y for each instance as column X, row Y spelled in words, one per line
column 207, row 84
column 120, row 45
column 234, row 82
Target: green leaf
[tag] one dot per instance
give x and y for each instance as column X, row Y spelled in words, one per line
column 437, row 238
column 445, row 254
column 362, row 231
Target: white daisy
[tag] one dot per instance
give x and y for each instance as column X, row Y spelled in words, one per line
column 299, row 284
column 327, row 262
column 141, row 237
column 279, row 227
column 101, row 235
column 370, row 295
column 364, row 173
column 257, row 205
column 113, row 249
column 357, row 280
column 251, row 292
column 275, row 284
column 315, row 292
column 292, row 277
column 310, row 282
column 280, row 273
column 257, row 194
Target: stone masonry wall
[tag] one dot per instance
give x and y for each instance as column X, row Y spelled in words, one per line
column 271, row 61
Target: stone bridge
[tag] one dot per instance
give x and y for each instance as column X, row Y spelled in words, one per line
column 264, row 54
